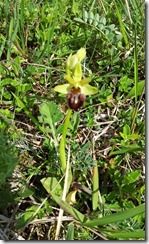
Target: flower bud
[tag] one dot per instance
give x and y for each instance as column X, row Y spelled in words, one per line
column 81, row 53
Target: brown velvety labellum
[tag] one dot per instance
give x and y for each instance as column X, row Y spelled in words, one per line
column 75, row 99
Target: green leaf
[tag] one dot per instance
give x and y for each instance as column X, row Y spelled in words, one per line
column 8, row 157
column 126, row 150
column 126, row 235
column 140, row 88
column 70, row 233
column 133, row 136
column 16, row 65
column 51, row 184
column 116, row 217
column 135, row 63
column 63, row 142
column 79, row 20
column 125, row 83
column 85, row 16
column 68, row 209
column 126, row 135
column 131, row 177
column 95, row 193
column 91, row 17
column 23, row 106
column 26, row 192
column 51, row 115
column 26, row 217
column 96, row 19
column 126, row 130
column 121, row 23
column 103, row 20
column 11, row 24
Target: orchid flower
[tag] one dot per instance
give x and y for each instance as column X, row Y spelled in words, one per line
column 76, row 86
column 74, row 75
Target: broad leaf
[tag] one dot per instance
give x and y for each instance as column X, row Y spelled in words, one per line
column 51, row 184
column 50, row 112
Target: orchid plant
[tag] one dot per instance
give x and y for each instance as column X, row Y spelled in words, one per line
column 76, row 90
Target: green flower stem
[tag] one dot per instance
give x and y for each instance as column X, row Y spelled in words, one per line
column 65, row 169
column 65, row 189
column 63, row 140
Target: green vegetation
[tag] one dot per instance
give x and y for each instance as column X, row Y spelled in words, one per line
column 72, row 175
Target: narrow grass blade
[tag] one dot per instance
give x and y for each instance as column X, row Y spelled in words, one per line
column 3, row 42
column 22, row 10
column 70, row 233
column 122, row 27
column 13, row 28
column 126, row 214
column 95, row 194
column 126, row 150
column 127, row 235
column 136, row 67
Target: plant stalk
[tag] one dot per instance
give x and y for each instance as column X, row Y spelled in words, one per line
column 63, row 140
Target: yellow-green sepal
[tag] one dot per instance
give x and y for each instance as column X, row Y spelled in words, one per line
column 85, row 81
column 70, row 80
column 64, row 89
column 89, row 90
column 77, row 75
